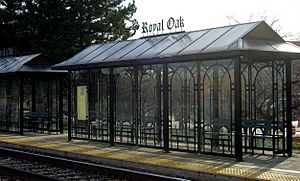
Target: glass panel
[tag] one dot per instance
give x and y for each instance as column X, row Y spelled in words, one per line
column 124, row 121
column 109, row 52
column 165, row 43
column 135, row 53
column 82, row 54
column 205, row 40
column 183, row 101
column 295, row 92
column 40, row 104
column 264, row 107
column 231, row 36
column 9, row 106
column 95, row 53
column 98, row 105
column 218, row 103
column 27, row 103
column 127, row 49
column 13, row 105
column 40, row 114
column 54, row 105
column 41, row 90
column 80, row 128
column 183, row 43
column 151, row 124
column 3, row 105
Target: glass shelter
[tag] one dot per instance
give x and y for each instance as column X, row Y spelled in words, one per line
column 31, row 95
column 223, row 91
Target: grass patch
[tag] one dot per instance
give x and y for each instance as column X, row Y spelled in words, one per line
column 296, row 142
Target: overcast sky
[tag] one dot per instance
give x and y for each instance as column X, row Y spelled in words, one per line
column 202, row 14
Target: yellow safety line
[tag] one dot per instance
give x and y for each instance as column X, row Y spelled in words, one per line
column 141, row 157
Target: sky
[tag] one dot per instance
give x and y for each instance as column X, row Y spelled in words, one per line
column 200, row 14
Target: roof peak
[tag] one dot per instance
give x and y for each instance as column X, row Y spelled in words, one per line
column 205, row 29
column 220, row 40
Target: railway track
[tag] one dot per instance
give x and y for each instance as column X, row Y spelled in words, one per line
column 32, row 166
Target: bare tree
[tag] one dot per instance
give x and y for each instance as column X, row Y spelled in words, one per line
column 273, row 21
column 296, row 87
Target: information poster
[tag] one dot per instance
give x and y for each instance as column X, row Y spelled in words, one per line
column 82, row 102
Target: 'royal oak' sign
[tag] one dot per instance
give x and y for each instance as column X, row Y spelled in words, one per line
column 170, row 24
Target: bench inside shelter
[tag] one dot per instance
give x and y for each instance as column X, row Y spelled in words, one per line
column 37, row 121
column 258, row 134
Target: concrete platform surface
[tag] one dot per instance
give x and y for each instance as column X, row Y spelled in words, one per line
column 180, row 164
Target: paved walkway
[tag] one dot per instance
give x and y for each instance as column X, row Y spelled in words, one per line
column 154, row 160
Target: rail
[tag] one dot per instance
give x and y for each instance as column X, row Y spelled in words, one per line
column 89, row 167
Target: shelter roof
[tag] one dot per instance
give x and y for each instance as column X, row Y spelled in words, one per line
column 227, row 41
column 28, row 63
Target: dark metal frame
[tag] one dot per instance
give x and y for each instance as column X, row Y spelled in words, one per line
column 149, row 113
column 9, row 105
column 267, row 126
column 211, row 100
column 32, row 120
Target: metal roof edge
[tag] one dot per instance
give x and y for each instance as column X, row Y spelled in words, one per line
column 156, row 60
column 244, row 34
column 292, row 44
column 261, row 23
column 166, row 34
column 65, row 65
column 14, row 60
column 251, row 29
column 186, row 58
column 45, row 68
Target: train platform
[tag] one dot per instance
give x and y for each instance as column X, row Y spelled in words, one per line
column 178, row 164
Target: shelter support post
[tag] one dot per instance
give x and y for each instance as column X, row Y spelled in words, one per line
column 60, row 105
column 215, row 107
column 289, row 109
column 136, row 103
column 89, row 93
column 166, row 108
column 238, row 111
column 112, row 90
column 199, row 130
column 21, row 113
column 158, row 109
column 33, row 100
column 69, row 106
column 273, row 110
column 49, row 109
column 33, row 95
